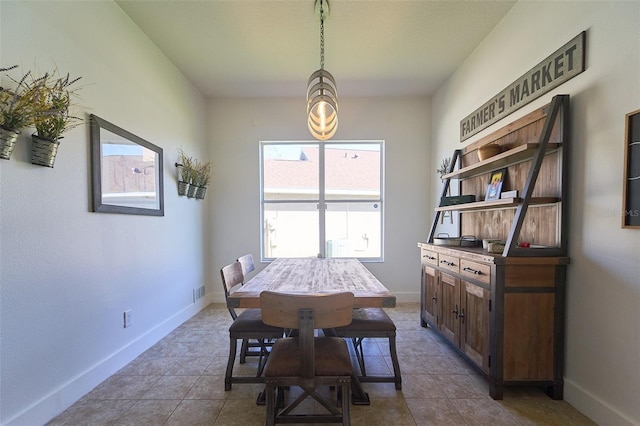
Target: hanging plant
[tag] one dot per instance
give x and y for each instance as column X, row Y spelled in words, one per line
column 20, row 107
column 55, row 96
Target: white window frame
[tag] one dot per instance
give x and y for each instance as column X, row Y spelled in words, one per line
column 322, row 202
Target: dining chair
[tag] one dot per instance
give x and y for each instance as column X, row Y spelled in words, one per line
column 249, row 347
column 247, row 264
column 308, row 361
column 247, row 325
column 372, row 323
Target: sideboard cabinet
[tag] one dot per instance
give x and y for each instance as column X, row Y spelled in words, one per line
column 504, row 311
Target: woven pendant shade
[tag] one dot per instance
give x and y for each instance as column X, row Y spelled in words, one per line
column 322, row 105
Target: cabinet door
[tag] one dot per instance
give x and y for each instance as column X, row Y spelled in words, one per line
column 450, row 303
column 474, row 322
column 430, row 296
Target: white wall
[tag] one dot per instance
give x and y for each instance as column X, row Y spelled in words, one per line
column 66, row 274
column 602, row 374
column 236, row 128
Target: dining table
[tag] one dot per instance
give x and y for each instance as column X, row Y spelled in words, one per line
column 315, row 275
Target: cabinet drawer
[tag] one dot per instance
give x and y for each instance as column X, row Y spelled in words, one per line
column 428, row 257
column 449, row 262
column 477, row 271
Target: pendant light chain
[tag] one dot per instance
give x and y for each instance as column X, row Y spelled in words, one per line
column 321, row 35
column 322, row 92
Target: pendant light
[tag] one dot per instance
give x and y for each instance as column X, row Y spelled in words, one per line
column 322, row 93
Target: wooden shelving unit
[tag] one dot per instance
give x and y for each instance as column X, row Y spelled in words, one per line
column 503, row 203
column 513, row 156
column 504, row 312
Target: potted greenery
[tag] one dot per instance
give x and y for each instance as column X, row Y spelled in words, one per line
column 185, row 174
column 54, row 95
column 201, row 178
column 444, row 167
column 18, row 109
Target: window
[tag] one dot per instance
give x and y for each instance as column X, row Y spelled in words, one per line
column 322, row 199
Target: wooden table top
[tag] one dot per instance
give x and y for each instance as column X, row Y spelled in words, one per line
column 313, row 275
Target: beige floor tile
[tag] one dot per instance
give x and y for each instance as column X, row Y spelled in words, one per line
column 170, row 387
column 421, row 386
column 189, row 366
column 180, row 381
column 386, row 411
column 123, row 387
column 91, row 412
column 537, row 411
column 209, row 387
column 149, row 412
column 195, row 412
column 460, row 386
column 437, row 412
column 241, row 412
column 484, row 412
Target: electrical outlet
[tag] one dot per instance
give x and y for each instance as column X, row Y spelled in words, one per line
column 127, row 318
column 202, row 291
column 194, row 295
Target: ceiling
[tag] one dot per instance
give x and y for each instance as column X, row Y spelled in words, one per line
column 269, row 48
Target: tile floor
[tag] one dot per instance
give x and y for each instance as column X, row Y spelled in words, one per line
column 180, row 381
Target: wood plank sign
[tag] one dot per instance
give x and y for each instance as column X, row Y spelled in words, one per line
column 559, row 67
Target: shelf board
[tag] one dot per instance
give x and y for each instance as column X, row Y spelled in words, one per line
column 503, row 203
column 516, row 155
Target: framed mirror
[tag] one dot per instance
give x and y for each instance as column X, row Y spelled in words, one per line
column 126, row 171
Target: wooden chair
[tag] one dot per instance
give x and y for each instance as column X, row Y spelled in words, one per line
column 247, row 264
column 307, row 361
column 372, row 323
column 246, row 325
column 249, row 347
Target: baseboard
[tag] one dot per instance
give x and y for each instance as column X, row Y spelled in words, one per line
column 40, row 412
column 593, row 407
column 407, row 297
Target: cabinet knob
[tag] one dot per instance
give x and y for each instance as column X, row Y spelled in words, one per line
column 455, row 311
column 462, row 315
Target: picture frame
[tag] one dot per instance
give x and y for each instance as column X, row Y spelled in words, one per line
column 631, row 178
column 496, row 179
column 127, row 171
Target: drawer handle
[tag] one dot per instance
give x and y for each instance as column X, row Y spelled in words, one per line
column 448, row 263
column 429, row 257
column 473, row 271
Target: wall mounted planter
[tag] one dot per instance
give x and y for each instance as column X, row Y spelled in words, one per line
column 8, row 140
column 43, row 151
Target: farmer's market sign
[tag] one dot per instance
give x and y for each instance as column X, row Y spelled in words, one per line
column 564, row 64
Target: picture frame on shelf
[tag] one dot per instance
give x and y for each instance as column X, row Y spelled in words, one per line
column 495, row 184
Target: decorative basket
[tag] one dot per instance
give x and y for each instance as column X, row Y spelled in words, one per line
column 8, row 140
column 200, row 192
column 182, row 187
column 488, row 151
column 496, row 247
column 43, row 151
column 191, row 192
